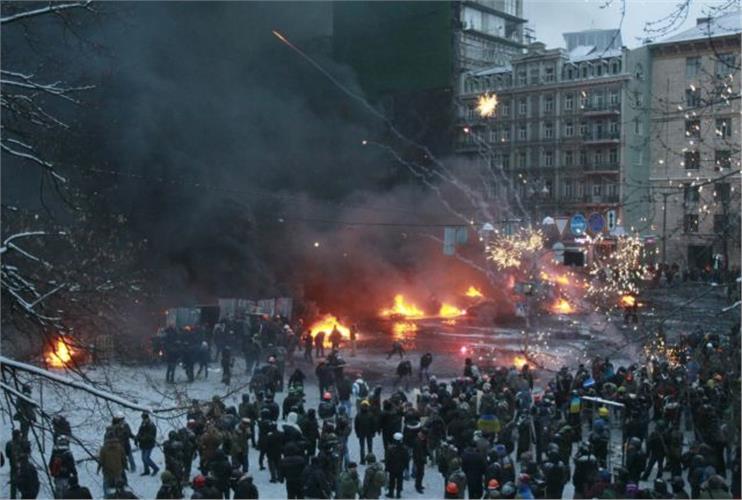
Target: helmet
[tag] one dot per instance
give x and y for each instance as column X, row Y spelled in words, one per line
column 327, row 396
column 245, row 421
column 271, row 359
column 119, row 415
column 398, row 436
column 365, row 403
column 493, row 484
column 452, row 488
column 199, row 481
column 603, row 411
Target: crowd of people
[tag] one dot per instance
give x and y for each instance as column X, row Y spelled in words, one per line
column 603, row 431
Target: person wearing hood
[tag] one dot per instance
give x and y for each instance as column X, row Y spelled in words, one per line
column 474, row 465
column 365, row 428
column 170, row 488
column 221, row 470
column 314, row 481
column 273, row 446
column 245, row 489
column 374, row 478
column 457, row 477
column 240, row 445
column 62, row 466
column 292, row 468
column 112, row 461
column 292, row 433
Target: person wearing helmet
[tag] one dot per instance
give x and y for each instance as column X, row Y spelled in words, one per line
column 62, row 466
column 452, row 491
column 374, row 478
column 170, row 487
column 457, row 476
column 396, row 459
column 326, row 409
column 146, row 439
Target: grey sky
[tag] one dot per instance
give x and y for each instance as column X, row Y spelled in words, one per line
column 551, row 18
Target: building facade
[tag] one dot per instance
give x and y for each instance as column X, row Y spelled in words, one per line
column 568, row 132
column 695, row 145
column 491, row 33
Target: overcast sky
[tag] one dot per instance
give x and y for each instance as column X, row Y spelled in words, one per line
column 551, row 18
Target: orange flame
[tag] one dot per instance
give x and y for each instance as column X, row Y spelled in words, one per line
column 519, row 361
column 628, row 301
column 561, row 306
column 403, row 329
column 61, row 355
column 326, row 324
column 473, row 292
column 449, row 311
column 402, row 308
column 561, row 279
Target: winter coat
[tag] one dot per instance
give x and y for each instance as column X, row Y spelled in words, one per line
column 124, row 435
column 112, row 459
column 274, row 444
column 349, row 485
column 345, row 389
column 147, row 435
column 77, row 492
column 459, row 478
column 292, row 467
column 390, row 422
column 396, row 458
column 474, row 465
column 315, row 483
column 220, row 468
column 326, row 409
column 27, row 480
column 208, row 443
column 374, row 480
column 62, row 464
column 245, row 488
column 365, row 423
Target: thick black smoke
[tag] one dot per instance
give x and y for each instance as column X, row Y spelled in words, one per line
column 232, row 155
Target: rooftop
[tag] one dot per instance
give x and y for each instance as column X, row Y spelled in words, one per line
column 724, row 25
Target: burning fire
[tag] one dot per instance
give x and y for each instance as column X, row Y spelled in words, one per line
column 403, row 329
column 519, row 361
column 473, row 292
column 628, row 301
column 449, row 311
column 61, row 356
column 561, row 279
column 326, row 324
column 561, row 306
column 403, row 308
column 486, row 105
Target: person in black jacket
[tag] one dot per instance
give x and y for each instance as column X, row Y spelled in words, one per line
column 390, row 421
column 245, row 488
column 310, row 429
column 220, row 468
column 75, row 491
column 365, row 428
column 396, row 460
column 292, row 468
column 62, row 466
column 273, row 447
column 425, row 361
column 419, row 457
column 474, row 465
column 27, row 479
column 314, row 481
column 146, row 438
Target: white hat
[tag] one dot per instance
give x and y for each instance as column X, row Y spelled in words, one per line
column 398, row 436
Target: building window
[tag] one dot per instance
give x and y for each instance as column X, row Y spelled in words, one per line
column 726, row 65
column 505, row 109
column 548, row 130
column 506, row 161
column 583, row 158
column 521, row 77
column 638, row 127
column 723, row 127
column 584, row 129
column 569, row 190
column 584, row 71
column 568, row 158
column 614, row 98
column 584, row 100
column 693, row 128
column 549, row 73
column 549, row 104
column 598, row 157
column 722, row 191
column 598, row 69
column 692, row 160
column 548, row 158
column 598, row 100
column 692, row 98
column 613, row 128
column 506, row 134
column 611, row 190
column 522, row 133
column 522, row 159
column 534, row 76
column 613, row 156
column 616, row 67
column 493, row 135
column 569, row 129
column 692, row 67
column 690, row 223
column 723, row 159
column 569, row 102
column 691, row 194
column 597, row 189
column 522, row 106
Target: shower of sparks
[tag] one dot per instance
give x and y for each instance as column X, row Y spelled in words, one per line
column 620, row 273
column 486, row 105
column 509, row 251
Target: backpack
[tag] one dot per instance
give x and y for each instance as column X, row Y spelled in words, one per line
column 574, row 405
column 362, row 390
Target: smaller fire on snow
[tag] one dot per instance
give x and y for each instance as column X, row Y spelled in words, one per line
column 60, row 356
column 473, row 292
column 561, row 306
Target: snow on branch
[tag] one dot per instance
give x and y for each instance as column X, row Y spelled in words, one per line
column 27, row 156
column 49, row 9
column 61, row 379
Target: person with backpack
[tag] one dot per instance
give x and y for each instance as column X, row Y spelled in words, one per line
column 360, row 391
column 374, row 478
column 62, row 466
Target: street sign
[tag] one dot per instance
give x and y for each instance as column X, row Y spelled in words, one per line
column 558, row 248
column 595, row 222
column 578, row 224
column 610, row 216
column 561, row 223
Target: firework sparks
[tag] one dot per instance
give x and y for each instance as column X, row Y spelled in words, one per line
column 486, row 105
column 619, row 274
column 508, row 251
